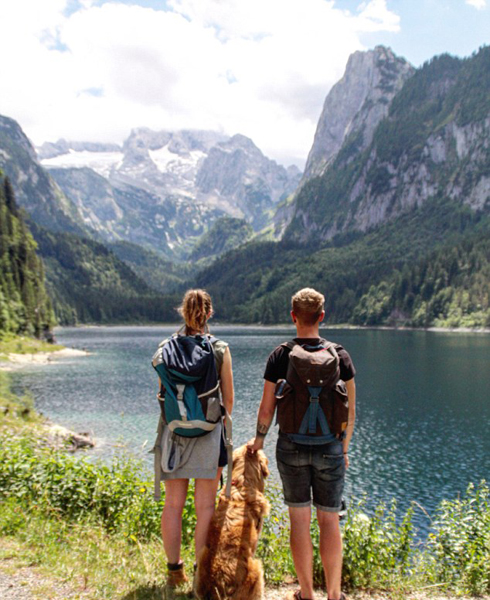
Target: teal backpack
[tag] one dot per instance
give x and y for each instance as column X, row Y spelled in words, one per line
column 189, row 396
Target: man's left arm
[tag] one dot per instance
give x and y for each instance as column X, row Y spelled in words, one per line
column 351, row 419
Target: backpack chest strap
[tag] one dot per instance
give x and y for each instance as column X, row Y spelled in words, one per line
column 314, row 409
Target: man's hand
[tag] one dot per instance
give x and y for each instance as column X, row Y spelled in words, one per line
column 346, row 459
column 255, row 444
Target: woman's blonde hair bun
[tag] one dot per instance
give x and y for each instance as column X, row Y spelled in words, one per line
column 196, row 308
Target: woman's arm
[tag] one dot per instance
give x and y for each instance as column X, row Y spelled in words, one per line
column 226, row 382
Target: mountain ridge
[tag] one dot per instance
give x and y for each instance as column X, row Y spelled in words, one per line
column 179, row 172
column 422, row 149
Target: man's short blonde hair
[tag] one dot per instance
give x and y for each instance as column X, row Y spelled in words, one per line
column 307, row 305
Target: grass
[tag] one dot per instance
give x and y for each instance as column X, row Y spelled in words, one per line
column 14, row 344
column 85, row 555
column 95, row 526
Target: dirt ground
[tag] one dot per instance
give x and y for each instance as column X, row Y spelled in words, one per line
column 26, row 583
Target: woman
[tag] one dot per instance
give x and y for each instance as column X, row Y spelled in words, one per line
column 199, row 458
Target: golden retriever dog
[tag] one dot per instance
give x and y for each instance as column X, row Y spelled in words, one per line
column 226, row 567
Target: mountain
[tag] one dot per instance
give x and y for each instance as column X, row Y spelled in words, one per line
column 85, row 280
column 165, row 189
column 390, row 221
column 243, row 182
column 35, row 190
column 125, row 212
column 356, row 105
column 352, row 110
column 393, row 231
column 434, row 143
column 25, row 307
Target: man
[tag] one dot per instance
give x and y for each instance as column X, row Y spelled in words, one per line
column 309, row 470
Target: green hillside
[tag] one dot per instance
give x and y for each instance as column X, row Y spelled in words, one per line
column 255, row 283
column 89, row 284
column 450, row 287
column 24, row 305
column 159, row 273
column 225, row 234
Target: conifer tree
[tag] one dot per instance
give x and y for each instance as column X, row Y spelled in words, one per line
column 24, row 304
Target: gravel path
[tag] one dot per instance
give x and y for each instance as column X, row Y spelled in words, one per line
column 27, row 584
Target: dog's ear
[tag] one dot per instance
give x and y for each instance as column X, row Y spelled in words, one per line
column 264, row 466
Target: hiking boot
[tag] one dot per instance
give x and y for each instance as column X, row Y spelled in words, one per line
column 295, row 596
column 176, row 575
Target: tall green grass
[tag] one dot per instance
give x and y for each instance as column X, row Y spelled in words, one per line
column 381, row 550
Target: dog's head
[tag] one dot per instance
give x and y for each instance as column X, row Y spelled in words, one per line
column 250, row 470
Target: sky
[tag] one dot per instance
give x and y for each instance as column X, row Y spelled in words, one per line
column 92, row 70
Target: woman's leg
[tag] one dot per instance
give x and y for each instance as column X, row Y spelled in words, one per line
column 175, row 495
column 204, row 501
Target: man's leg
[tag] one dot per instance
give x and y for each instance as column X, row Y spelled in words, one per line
column 302, row 548
column 328, row 483
column 331, row 551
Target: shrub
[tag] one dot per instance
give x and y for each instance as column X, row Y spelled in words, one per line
column 115, row 495
column 458, row 546
column 381, row 550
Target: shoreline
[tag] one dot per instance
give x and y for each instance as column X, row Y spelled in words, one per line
column 14, row 361
column 286, row 326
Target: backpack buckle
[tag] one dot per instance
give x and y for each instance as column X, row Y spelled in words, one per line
column 314, row 393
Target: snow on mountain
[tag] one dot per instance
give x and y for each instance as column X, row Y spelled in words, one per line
column 168, row 161
column 179, row 183
column 100, row 162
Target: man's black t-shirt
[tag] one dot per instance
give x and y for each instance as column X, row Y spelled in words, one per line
column 277, row 363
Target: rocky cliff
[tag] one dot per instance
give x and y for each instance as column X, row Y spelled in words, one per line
column 356, row 104
column 353, row 109
column 238, row 178
column 433, row 143
column 35, row 190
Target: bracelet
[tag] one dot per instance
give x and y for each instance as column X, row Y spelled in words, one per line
column 262, row 430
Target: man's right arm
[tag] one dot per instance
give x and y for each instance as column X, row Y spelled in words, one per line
column 351, row 395
column 264, row 418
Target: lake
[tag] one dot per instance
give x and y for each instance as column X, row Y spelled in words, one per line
column 423, row 417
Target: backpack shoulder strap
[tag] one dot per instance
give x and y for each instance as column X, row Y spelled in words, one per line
column 290, row 345
column 332, row 346
column 219, row 347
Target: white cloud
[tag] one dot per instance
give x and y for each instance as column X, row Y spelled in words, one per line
column 258, row 67
column 478, row 4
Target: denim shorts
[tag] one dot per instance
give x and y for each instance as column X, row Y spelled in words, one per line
column 311, row 470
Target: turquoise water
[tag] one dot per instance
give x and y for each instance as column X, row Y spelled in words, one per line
column 422, row 431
